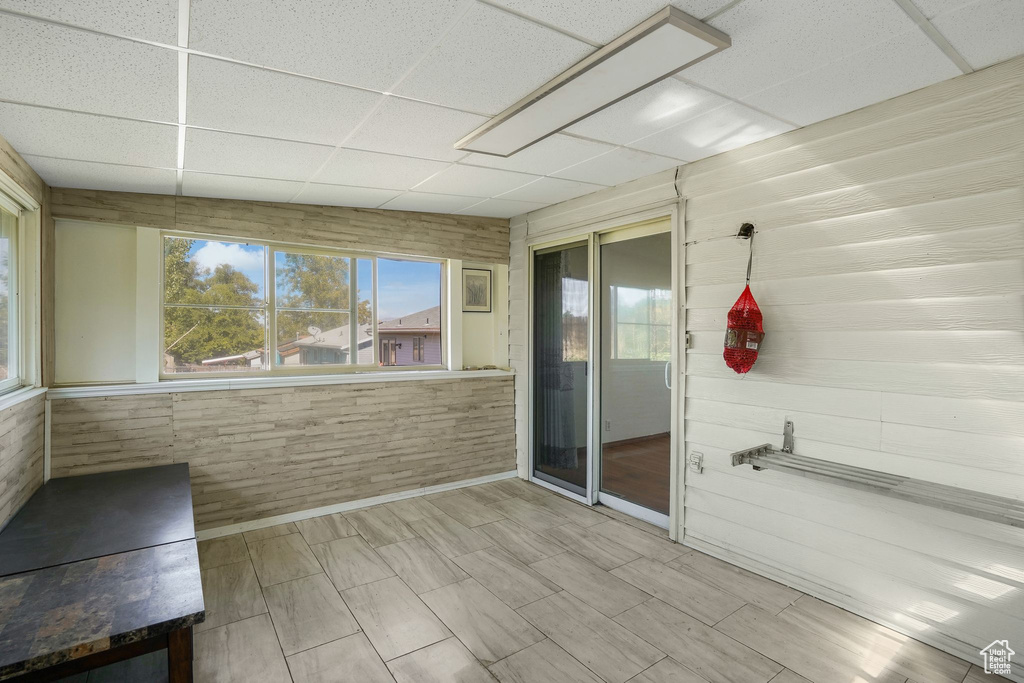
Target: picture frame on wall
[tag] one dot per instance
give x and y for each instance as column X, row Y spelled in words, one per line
column 476, row 290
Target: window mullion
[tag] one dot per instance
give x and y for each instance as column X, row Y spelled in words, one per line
column 270, row 306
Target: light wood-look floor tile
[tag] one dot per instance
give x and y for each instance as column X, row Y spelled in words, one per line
column 240, row 652
column 420, row 566
column 640, row 524
column 217, row 552
column 449, row 536
column 606, row 593
column 231, row 593
column 694, row 597
column 380, row 526
column 487, row 626
column 668, row 671
column 394, row 619
column 603, row 552
column 648, row 545
column 513, row 582
column 978, row 675
column 700, row 648
column 348, row 660
column 525, row 545
column 788, row 676
column 747, row 586
column 269, row 532
column 545, row 662
column 282, row 558
column 446, row 662
column 351, row 562
column 577, row 513
column 326, row 528
column 308, row 612
column 605, row 647
column 528, row 514
column 800, row 650
column 468, row 511
column 516, row 487
column 485, row 493
column 411, row 509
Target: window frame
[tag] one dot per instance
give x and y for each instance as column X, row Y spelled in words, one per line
column 615, row 325
column 14, row 312
column 275, row 369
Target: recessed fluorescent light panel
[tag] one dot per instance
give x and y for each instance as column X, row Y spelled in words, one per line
column 668, row 42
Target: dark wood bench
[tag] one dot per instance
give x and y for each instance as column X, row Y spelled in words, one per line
column 97, row 569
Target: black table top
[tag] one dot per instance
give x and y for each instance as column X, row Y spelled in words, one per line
column 79, row 518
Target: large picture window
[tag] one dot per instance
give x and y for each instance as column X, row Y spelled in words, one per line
column 234, row 307
column 9, row 378
column 641, row 323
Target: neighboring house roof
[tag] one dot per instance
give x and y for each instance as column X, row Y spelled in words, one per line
column 428, row 320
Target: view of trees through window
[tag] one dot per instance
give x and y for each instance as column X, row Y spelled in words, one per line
column 219, row 313
column 642, row 323
column 8, row 227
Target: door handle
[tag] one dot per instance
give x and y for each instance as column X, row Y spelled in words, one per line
column 668, row 384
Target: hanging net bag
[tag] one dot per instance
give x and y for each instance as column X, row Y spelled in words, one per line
column 744, row 329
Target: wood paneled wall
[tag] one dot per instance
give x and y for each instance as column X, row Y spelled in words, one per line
column 21, row 454
column 471, row 238
column 256, row 453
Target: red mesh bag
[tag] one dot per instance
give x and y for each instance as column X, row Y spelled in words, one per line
column 744, row 333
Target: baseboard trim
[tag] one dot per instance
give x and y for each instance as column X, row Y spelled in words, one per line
column 217, row 532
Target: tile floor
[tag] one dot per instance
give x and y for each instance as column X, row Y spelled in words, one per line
column 510, row 582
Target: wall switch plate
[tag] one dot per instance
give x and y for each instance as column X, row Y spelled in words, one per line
column 607, row 425
column 696, row 462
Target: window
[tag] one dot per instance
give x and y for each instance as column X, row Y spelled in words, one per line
column 234, row 307
column 641, row 323
column 8, row 297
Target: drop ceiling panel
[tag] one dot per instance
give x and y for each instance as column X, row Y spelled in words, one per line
column 472, row 181
column 430, row 203
column 500, row 208
column 215, row 152
column 372, row 169
column 601, row 21
column 985, row 33
column 71, row 69
column 491, row 60
column 415, row 129
column 87, row 137
column 651, row 110
column 234, row 187
column 338, row 195
column 366, row 44
column 88, row 175
column 776, row 40
column 717, row 131
column 545, row 157
column 618, row 166
column 244, row 99
column 155, row 20
column 551, row 191
column 878, row 73
column 932, row 8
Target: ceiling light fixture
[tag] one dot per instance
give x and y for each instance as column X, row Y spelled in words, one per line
column 664, row 44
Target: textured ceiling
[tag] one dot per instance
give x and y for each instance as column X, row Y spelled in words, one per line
column 359, row 103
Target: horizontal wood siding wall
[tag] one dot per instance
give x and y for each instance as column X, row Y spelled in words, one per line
column 472, row 238
column 889, row 264
column 257, row 453
column 21, row 454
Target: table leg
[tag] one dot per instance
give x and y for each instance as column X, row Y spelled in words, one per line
column 179, row 655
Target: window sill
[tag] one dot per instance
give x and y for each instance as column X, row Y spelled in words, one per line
column 223, row 384
column 13, row 398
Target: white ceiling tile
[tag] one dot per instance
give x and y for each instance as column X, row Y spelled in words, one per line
column 214, row 152
column 618, row 166
column 472, row 181
column 366, row 44
column 372, row 169
column 87, row 137
column 653, row 109
column 491, row 60
column 932, row 8
column 235, row 187
column 878, row 73
column 545, row 157
column 415, row 129
column 985, row 33
column 501, row 208
column 776, row 40
column 430, row 203
column 717, row 131
column 155, row 20
column 70, row 69
column 340, row 195
column 88, row 175
column 604, row 20
column 551, row 191
column 245, row 99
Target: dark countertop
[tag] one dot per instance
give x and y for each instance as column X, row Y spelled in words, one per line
column 53, row 615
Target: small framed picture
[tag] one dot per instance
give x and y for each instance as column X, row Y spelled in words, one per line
column 476, row 290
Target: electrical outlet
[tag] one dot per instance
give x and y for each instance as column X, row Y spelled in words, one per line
column 696, row 462
column 607, row 425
